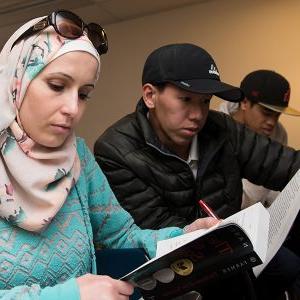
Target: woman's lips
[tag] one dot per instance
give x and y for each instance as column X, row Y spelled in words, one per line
column 61, row 128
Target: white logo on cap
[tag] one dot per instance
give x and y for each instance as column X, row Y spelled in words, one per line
column 185, row 83
column 213, row 70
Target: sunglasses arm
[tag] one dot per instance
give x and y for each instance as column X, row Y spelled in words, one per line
column 30, row 31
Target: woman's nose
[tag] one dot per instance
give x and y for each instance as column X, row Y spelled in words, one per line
column 70, row 106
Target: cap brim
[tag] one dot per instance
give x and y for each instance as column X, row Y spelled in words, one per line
column 209, row 86
column 285, row 110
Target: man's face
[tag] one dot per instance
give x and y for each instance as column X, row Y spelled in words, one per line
column 259, row 118
column 176, row 115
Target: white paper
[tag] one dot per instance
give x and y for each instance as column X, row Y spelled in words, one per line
column 283, row 212
column 254, row 220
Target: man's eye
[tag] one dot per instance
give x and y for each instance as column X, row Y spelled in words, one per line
column 267, row 113
column 56, row 87
column 184, row 98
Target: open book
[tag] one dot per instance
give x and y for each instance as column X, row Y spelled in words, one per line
column 244, row 240
column 197, row 258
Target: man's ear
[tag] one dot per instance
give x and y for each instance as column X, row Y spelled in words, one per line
column 149, row 95
column 245, row 104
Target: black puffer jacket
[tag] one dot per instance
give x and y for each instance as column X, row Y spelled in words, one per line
column 158, row 188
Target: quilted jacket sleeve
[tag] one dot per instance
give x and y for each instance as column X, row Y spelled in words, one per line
column 262, row 160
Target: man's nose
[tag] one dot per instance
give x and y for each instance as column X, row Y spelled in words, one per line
column 197, row 111
column 272, row 120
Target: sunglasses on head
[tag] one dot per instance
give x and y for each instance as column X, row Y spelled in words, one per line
column 70, row 26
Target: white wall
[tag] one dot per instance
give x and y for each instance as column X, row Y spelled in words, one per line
column 242, row 35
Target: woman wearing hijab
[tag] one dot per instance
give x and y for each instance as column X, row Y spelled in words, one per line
column 55, row 203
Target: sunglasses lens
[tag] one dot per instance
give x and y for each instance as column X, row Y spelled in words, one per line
column 68, row 24
column 98, row 37
column 71, row 26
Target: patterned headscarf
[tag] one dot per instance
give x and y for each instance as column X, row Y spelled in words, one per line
column 34, row 180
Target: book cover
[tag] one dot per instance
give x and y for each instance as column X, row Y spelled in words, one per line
column 218, row 254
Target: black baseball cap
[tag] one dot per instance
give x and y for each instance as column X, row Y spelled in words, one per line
column 270, row 90
column 189, row 67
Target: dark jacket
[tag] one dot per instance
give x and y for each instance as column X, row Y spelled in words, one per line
column 158, row 188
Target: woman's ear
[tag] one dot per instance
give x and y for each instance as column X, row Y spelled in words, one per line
column 149, row 95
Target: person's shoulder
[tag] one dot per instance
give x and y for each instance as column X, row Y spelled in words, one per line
column 281, row 129
column 228, row 108
column 279, row 134
column 81, row 145
column 83, row 150
column 220, row 119
column 122, row 134
column 120, row 126
column 222, row 126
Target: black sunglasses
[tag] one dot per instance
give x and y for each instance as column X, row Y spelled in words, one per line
column 70, row 26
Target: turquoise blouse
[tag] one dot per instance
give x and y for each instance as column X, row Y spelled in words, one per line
column 44, row 265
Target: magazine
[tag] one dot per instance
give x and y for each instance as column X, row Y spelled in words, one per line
column 247, row 239
column 195, row 259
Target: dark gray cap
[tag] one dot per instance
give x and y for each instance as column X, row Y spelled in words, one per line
column 189, row 67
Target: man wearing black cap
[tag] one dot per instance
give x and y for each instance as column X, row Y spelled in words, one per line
column 172, row 151
column 267, row 95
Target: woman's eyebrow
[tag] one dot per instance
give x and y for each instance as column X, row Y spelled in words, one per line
column 62, row 74
column 71, row 78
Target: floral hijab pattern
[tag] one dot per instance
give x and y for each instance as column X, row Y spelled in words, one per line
column 34, row 180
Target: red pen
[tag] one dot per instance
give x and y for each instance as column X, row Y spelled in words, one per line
column 207, row 209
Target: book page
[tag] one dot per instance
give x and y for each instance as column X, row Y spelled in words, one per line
column 254, row 220
column 166, row 246
column 283, row 212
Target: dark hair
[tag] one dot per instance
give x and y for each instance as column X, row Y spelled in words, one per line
column 160, row 86
column 252, row 102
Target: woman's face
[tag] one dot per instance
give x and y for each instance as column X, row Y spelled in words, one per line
column 56, row 99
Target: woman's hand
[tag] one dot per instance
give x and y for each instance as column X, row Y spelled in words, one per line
column 96, row 287
column 202, row 223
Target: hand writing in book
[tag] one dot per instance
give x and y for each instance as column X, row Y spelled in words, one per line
column 202, row 223
column 94, row 286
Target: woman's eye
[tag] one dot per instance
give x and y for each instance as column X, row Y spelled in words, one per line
column 84, row 97
column 56, row 87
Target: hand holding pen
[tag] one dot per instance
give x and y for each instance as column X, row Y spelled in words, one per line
column 207, row 209
column 203, row 223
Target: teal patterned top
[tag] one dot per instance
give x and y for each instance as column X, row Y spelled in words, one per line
column 44, row 265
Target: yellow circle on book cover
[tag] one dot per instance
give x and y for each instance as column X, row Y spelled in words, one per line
column 183, row 267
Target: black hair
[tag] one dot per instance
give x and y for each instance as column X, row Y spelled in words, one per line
column 160, row 86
